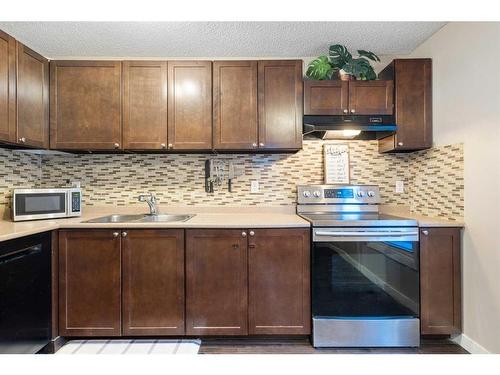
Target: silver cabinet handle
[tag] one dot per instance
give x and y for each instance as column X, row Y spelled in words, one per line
column 425, row 232
column 116, row 145
column 261, row 144
column 243, row 234
column 252, row 233
column 170, row 145
column 400, row 143
column 254, row 144
column 353, row 111
column 124, row 234
column 163, row 145
column 346, row 111
column 22, row 139
column 115, row 234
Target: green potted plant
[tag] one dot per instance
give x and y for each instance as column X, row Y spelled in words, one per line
column 340, row 62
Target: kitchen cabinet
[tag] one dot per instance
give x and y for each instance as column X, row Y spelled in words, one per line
column 32, row 98
column 216, row 282
column 348, row 97
column 85, row 105
column 145, row 105
column 7, row 88
column 440, row 281
column 235, row 105
column 89, row 282
column 190, row 105
column 280, row 103
column 279, row 281
column 413, row 105
column 153, row 282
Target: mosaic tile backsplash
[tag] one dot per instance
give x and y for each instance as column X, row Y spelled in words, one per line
column 433, row 179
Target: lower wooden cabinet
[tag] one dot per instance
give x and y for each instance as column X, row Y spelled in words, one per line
column 153, row 282
column 216, row 282
column 440, row 281
column 279, row 281
column 107, row 274
column 89, row 283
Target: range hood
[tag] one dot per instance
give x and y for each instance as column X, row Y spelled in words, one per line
column 348, row 127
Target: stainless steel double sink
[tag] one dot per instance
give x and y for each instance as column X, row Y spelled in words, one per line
column 143, row 218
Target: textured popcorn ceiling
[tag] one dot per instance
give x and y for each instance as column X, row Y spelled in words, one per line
column 216, row 39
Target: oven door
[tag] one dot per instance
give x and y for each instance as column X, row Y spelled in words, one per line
column 365, row 286
column 33, row 204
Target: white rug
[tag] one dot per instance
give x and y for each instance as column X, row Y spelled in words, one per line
column 130, row 347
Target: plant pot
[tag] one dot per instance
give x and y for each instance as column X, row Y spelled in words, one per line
column 345, row 76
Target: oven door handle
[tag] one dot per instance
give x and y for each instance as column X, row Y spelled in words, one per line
column 365, row 234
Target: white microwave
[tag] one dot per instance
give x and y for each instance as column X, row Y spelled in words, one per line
column 35, row 204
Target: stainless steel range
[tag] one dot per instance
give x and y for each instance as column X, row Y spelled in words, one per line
column 365, row 269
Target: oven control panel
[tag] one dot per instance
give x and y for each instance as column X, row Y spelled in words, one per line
column 335, row 194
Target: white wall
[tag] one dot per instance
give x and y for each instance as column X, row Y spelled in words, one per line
column 466, row 105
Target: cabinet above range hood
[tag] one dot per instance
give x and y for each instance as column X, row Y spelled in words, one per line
column 359, row 127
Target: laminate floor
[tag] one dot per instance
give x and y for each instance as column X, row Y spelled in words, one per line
column 303, row 346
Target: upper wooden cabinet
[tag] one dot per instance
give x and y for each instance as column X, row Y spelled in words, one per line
column 235, row 105
column 279, row 281
column 85, row 105
column 7, row 88
column 413, row 105
column 145, row 105
column 190, row 105
column 348, row 97
column 326, row 97
column 280, row 102
column 440, row 281
column 371, row 97
column 89, row 283
column 153, row 282
column 216, row 282
column 32, row 98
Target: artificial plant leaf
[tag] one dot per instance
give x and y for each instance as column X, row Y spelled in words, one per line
column 320, row 69
column 368, row 55
column 370, row 74
column 339, row 56
column 358, row 68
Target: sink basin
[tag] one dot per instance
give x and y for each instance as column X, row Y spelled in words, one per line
column 115, row 219
column 164, row 218
column 160, row 218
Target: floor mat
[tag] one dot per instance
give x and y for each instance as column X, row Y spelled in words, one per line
column 130, row 347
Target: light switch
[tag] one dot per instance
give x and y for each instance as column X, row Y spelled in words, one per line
column 400, row 187
column 254, row 186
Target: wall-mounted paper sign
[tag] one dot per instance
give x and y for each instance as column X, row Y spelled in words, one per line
column 336, row 161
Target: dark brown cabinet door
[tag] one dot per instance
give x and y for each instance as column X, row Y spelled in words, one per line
column 440, row 285
column 371, row 97
column 413, row 105
column 216, row 282
column 280, row 102
column 32, row 98
column 326, row 97
column 235, row 105
column 279, row 281
column 190, row 105
column 7, row 88
column 145, row 105
column 85, row 105
column 89, row 283
column 153, row 282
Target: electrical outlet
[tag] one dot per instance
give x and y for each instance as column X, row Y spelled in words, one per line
column 400, row 187
column 254, row 186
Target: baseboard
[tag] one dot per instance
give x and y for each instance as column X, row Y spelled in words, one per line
column 470, row 345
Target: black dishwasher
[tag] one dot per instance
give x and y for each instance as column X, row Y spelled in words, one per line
column 25, row 294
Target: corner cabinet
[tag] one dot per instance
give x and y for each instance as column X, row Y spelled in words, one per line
column 440, row 281
column 413, row 105
column 280, row 102
column 85, row 109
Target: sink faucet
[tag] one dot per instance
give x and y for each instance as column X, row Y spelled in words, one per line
column 150, row 199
